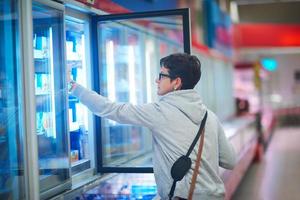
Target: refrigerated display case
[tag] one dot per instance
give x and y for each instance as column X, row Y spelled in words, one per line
column 126, row 56
column 224, row 90
column 124, row 186
column 50, row 97
column 76, row 37
column 207, row 84
column 12, row 184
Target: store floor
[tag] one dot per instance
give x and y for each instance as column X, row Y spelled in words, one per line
column 277, row 176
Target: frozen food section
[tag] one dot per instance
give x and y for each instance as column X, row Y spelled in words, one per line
column 50, row 94
column 53, row 147
column 12, row 184
column 78, row 114
column 124, row 186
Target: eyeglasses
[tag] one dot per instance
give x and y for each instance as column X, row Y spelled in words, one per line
column 160, row 75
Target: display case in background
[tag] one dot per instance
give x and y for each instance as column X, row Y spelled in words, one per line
column 207, row 84
column 127, row 54
column 12, row 183
column 50, row 94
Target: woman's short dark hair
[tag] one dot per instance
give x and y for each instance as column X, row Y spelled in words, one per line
column 185, row 66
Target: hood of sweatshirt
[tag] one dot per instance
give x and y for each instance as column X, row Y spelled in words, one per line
column 188, row 102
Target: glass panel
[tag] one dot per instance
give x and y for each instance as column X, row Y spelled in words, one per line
column 129, row 63
column 11, row 105
column 51, row 127
column 78, row 114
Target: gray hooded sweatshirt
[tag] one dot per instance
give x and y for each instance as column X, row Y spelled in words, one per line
column 174, row 122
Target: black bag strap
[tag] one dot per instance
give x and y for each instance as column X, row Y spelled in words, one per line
column 197, row 136
column 171, row 194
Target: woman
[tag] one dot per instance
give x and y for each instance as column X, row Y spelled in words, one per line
column 174, row 121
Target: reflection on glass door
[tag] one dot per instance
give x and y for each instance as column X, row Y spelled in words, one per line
column 129, row 48
column 122, row 54
column 78, row 113
column 50, row 92
column 11, row 105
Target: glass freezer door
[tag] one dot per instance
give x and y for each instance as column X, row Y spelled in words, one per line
column 51, row 97
column 12, row 133
column 127, row 53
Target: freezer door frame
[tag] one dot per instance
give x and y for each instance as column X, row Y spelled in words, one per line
column 185, row 14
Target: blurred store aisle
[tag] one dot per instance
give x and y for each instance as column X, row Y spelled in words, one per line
column 277, row 176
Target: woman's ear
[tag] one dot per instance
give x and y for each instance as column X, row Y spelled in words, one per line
column 177, row 83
